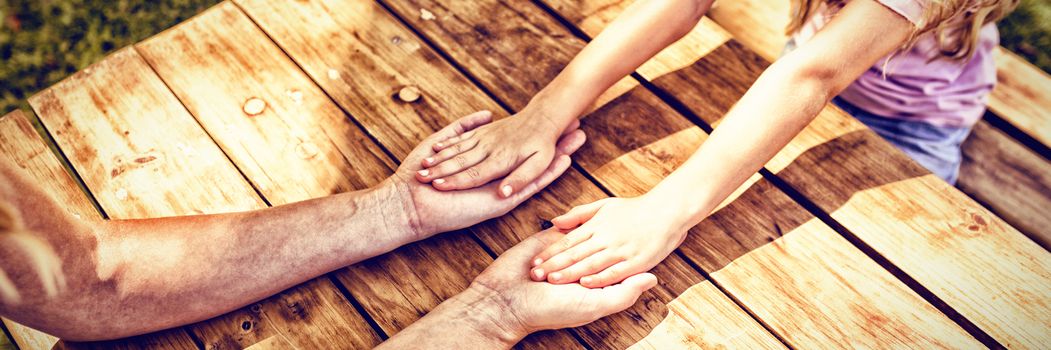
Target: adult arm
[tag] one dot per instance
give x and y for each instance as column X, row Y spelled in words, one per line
column 124, row 277
column 503, row 305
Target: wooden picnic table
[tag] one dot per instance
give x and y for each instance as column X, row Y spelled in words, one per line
column 841, row 241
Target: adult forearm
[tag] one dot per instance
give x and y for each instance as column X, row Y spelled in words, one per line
column 472, row 319
column 640, row 32
column 763, row 121
column 170, row 271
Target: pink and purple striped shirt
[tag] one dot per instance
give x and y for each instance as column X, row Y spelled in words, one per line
column 916, row 87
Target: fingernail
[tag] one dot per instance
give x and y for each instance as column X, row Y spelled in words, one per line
column 538, row 261
column 506, row 190
column 429, row 160
column 538, row 273
column 439, row 181
column 424, row 172
column 585, row 280
column 556, row 276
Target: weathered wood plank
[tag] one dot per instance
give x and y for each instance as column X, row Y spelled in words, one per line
column 385, row 57
column 183, row 152
column 244, row 63
column 848, row 288
column 849, row 171
column 131, row 142
column 659, row 145
column 20, row 143
column 1009, row 179
column 777, row 300
column 1022, row 96
column 689, row 324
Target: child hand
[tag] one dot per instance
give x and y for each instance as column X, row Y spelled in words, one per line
column 519, row 147
column 611, row 239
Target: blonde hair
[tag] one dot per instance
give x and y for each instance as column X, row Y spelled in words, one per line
column 954, row 23
column 42, row 257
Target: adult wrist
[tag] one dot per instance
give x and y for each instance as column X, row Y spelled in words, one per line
column 401, row 217
column 489, row 314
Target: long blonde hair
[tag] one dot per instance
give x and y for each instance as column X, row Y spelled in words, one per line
column 41, row 256
column 954, row 23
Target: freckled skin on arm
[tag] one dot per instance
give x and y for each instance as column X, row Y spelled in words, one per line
column 128, row 277
column 123, row 275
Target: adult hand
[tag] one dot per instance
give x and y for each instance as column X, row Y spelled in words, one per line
column 524, row 306
column 441, row 211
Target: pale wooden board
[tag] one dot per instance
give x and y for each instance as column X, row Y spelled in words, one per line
column 1008, row 178
column 689, row 324
column 248, row 64
column 849, row 171
column 108, row 120
column 766, row 282
column 20, row 143
column 777, row 301
column 1022, row 95
column 633, row 103
column 758, row 24
column 123, row 113
column 383, row 58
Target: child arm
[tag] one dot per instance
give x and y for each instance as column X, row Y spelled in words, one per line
column 494, row 151
column 605, row 245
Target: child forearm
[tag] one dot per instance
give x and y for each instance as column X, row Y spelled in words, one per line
column 752, row 132
column 640, row 32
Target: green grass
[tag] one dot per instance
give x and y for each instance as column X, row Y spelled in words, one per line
column 43, row 41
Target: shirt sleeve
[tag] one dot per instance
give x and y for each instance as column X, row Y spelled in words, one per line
column 912, row 10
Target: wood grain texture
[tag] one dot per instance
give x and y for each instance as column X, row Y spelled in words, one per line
column 847, row 279
column 872, row 309
column 646, row 145
column 689, row 324
column 384, row 57
column 21, row 144
column 139, row 153
column 1022, row 95
column 1009, row 179
column 849, row 171
column 143, row 155
column 424, row 274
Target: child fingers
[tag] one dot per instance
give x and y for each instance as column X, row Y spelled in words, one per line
column 450, row 167
column 590, row 265
column 567, row 258
column 443, row 144
column 528, row 171
column 578, row 215
column 450, row 152
column 476, row 175
column 616, row 273
column 571, row 239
